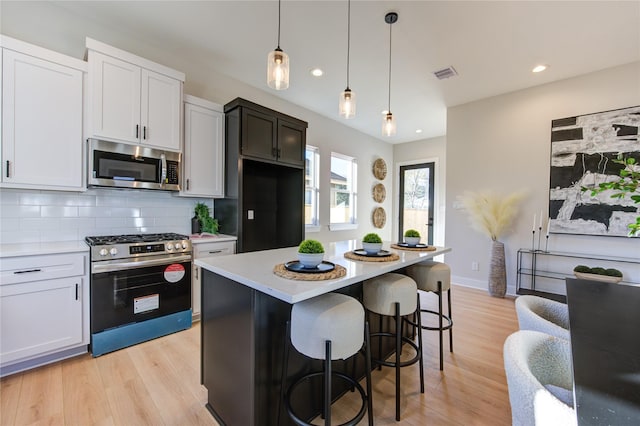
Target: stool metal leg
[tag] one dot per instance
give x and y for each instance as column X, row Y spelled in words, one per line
column 367, row 361
column 380, row 342
column 327, row 384
column 440, row 323
column 398, row 349
column 451, row 320
column 419, row 327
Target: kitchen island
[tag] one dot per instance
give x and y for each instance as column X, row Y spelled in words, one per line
column 245, row 307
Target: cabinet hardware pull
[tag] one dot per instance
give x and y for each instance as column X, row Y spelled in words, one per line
column 215, row 251
column 144, row 132
column 274, row 152
column 187, row 184
column 137, row 128
column 27, row 271
column 197, row 269
column 76, row 291
column 278, row 152
column 8, row 163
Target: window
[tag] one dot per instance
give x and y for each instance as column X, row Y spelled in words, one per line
column 311, row 187
column 344, row 170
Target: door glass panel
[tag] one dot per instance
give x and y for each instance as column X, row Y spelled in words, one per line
column 416, row 200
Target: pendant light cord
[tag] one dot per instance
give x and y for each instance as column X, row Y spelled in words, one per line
column 279, row 1
column 389, row 104
column 348, row 37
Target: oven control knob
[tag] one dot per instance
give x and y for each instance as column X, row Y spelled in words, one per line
column 103, row 252
column 113, row 251
column 170, row 246
column 180, row 246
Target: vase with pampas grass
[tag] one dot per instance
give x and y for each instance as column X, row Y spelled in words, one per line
column 492, row 215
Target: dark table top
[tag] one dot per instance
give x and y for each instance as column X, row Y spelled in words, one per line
column 605, row 344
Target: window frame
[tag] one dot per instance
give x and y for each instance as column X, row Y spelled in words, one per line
column 314, row 188
column 352, row 190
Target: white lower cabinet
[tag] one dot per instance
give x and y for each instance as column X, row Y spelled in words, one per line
column 202, row 250
column 43, row 309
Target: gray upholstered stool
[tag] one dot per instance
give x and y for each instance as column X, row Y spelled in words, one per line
column 328, row 327
column 394, row 295
column 435, row 277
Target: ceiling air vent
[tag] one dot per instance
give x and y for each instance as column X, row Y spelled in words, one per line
column 445, row 73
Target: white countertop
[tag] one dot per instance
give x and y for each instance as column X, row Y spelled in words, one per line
column 210, row 238
column 255, row 269
column 35, row 249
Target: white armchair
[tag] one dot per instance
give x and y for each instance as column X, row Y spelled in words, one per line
column 544, row 315
column 540, row 379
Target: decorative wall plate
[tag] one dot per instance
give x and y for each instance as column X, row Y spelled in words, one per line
column 379, row 217
column 380, row 169
column 379, row 193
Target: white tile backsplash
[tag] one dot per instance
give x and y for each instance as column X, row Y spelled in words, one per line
column 29, row 216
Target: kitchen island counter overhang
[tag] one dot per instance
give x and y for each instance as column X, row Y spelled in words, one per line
column 245, row 309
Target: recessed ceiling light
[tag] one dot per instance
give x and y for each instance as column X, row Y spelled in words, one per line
column 317, row 72
column 539, row 68
column 418, row 130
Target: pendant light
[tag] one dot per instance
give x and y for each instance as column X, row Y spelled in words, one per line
column 278, row 65
column 388, row 122
column 347, row 106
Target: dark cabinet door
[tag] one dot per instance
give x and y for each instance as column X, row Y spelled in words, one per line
column 291, row 142
column 258, row 134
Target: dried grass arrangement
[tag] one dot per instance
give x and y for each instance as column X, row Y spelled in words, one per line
column 490, row 213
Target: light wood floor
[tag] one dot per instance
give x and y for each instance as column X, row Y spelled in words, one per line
column 157, row 382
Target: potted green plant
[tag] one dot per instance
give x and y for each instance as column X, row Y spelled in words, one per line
column 310, row 253
column 372, row 243
column 411, row 237
column 597, row 273
column 207, row 223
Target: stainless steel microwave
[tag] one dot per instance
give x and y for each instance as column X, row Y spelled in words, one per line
column 132, row 166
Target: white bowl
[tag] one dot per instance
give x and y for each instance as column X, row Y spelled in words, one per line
column 310, row 260
column 372, row 248
column 412, row 241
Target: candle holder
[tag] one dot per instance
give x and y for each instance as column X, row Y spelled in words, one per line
column 546, row 244
column 533, row 240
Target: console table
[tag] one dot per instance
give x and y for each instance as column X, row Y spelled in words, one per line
column 528, row 270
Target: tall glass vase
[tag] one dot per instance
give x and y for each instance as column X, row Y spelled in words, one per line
column 497, row 271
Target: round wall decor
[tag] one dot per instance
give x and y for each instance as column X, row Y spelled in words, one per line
column 379, row 217
column 380, row 169
column 379, row 193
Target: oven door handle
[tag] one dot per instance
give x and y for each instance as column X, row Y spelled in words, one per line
column 121, row 266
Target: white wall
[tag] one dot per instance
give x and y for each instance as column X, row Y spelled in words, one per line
column 63, row 32
column 503, row 144
column 424, row 151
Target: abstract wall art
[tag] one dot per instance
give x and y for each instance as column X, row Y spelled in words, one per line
column 582, row 150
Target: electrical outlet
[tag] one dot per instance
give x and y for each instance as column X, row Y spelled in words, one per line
column 250, row 214
column 475, row 266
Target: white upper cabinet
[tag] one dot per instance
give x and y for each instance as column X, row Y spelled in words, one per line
column 42, row 98
column 133, row 100
column 203, row 149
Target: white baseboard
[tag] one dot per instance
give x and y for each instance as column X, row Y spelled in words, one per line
column 479, row 284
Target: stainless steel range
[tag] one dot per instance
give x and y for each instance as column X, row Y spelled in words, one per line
column 140, row 288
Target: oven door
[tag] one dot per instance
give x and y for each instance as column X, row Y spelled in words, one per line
column 125, row 292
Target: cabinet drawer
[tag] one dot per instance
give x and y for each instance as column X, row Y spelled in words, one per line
column 214, row 249
column 36, row 268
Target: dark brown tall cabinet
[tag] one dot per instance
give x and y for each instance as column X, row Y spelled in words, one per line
column 264, row 167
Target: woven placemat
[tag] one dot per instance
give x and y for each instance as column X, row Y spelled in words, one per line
column 430, row 248
column 351, row 255
column 281, row 271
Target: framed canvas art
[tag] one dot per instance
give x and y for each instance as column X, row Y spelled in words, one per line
column 582, row 150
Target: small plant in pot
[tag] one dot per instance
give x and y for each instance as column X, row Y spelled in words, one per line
column 597, row 273
column 412, row 237
column 372, row 243
column 310, row 253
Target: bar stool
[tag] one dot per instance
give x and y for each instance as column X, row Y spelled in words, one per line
column 394, row 295
column 328, row 327
column 435, row 277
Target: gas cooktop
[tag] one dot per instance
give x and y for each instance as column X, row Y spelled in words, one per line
column 133, row 238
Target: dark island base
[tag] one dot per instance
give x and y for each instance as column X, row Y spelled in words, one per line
column 243, row 333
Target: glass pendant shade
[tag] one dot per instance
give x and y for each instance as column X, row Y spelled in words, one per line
column 278, row 70
column 347, row 107
column 388, row 125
